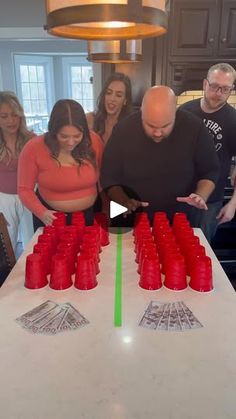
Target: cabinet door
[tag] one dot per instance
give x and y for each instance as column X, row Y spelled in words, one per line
column 227, row 39
column 193, row 27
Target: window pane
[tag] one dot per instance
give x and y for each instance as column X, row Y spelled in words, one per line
column 43, row 107
column 87, row 91
column 27, row 107
column 40, row 73
column 32, row 73
column 86, row 74
column 77, row 91
column 26, row 90
column 81, row 86
column 35, row 107
column 76, row 75
column 87, row 105
column 42, row 91
column 34, row 91
column 24, row 73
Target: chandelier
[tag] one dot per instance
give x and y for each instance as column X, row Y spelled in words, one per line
column 106, row 19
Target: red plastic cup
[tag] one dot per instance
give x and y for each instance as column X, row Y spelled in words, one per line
column 78, row 219
column 175, row 273
column 102, row 221
column 93, row 240
column 60, row 218
column 160, row 220
column 69, row 253
column 189, row 243
column 180, row 217
column 193, row 252
column 59, row 231
column 142, row 242
column 35, row 272
column 141, row 218
column 91, row 252
column 44, row 250
column 150, row 278
column 146, row 252
column 169, row 254
column 201, row 275
column 141, row 232
column 183, row 230
column 51, row 230
column 164, row 243
column 85, row 277
column 160, row 216
column 48, row 239
column 160, row 231
column 60, row 278
column 87, row 245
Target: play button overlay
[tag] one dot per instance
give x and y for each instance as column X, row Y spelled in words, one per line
column 116, row 209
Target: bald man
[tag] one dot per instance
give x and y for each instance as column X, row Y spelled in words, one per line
column 160, row 159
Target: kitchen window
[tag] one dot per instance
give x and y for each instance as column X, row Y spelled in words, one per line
column 41, row 80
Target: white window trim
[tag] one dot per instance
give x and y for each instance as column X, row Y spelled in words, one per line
column 47, row 62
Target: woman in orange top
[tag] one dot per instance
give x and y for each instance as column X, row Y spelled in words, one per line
column 64, row 164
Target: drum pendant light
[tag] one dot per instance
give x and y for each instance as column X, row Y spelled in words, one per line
column 106, row 19
column 117, row 52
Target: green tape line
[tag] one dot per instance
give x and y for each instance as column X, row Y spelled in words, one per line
column 118, row 283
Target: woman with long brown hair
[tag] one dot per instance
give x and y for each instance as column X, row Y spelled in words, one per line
column 114, row 103
column 64, row 164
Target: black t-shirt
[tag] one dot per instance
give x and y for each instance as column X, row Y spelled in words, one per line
column 222, row 126
column 159, row 172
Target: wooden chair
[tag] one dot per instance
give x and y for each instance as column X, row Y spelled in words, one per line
column 7, row 256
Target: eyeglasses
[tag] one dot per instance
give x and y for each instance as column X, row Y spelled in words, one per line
column 223, row 89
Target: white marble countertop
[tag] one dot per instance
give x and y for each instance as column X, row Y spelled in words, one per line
column 103, row 372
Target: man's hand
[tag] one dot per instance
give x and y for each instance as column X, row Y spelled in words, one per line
column 48, row 217
column 226, row 213
column 132, row 205
column 194, row 200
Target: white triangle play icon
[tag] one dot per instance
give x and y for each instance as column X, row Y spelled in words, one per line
column 116, row 209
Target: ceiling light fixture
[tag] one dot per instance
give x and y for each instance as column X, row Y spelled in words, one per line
column 106, row 19
column 117, row 52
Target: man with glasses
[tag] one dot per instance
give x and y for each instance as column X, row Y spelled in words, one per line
column 220, row 119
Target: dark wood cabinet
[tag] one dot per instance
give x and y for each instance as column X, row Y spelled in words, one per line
column 227, row 35
column 202, row 29
column 192, row 27
column 200, row 34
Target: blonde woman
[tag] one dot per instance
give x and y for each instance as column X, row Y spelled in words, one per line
column 13, row 136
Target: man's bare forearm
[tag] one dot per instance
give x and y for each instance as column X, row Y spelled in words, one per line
column 117, row 194
column 204, row 188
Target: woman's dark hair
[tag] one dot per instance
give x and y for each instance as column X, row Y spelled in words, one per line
column 101, row 114
column 69, row 112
